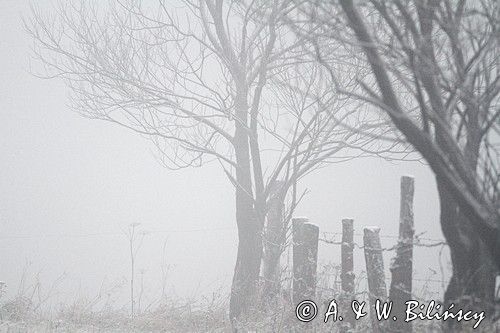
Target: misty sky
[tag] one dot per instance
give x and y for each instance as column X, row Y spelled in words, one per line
column 69, row 186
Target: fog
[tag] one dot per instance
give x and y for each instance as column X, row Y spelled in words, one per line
column 70, row 187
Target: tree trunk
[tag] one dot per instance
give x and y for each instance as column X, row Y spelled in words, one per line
column 246, row 272
column 247, row 269
column 472, row 285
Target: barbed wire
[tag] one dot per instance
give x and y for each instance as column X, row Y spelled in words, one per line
column 112, row 233
column 384, row 236
column 417, row 241
column 436, row 242
column 364, row 278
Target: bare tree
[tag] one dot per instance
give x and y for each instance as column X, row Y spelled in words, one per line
column 433, row 67
column 210, row 80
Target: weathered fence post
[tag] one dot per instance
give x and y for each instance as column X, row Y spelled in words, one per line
column 273, row 242
column 402, row 265
column 375, row 272
column 305, row 259
column 347, row 272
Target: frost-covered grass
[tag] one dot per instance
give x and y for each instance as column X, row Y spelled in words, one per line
column 184, row 318
column 19, row 315
column 25, row 312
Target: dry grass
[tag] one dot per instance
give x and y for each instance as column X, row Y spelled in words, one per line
column 24, row 313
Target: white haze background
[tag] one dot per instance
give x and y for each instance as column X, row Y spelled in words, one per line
column 70, row 186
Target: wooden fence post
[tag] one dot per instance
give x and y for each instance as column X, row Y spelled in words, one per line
column 402, row 265
column 273, row 243
column 305, row 259
column 347, row 272
column 375, row 272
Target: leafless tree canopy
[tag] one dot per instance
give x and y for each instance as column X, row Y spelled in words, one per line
column 433, row 67
column 212, row 80
column 174, row 73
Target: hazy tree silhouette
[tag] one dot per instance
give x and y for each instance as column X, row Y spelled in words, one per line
column 212, row 80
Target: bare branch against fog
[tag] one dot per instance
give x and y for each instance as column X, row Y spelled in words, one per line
column 433, row 68
column 224, row 81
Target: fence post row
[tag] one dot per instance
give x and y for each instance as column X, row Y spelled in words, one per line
column 305, row 259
